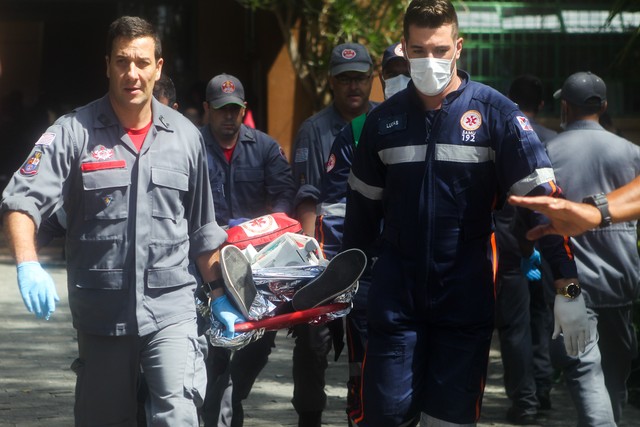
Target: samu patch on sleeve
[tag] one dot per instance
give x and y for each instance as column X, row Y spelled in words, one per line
column 387, row 125
column 31, row 166
column 524, row 123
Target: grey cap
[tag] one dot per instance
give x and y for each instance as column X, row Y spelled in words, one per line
column 583, row 89
column 349, row 57
column 225, row 89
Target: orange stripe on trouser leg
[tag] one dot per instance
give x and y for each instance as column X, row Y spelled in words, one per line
column 479, row 401
column 567, row 247
column 494, row 261
column 361, row 415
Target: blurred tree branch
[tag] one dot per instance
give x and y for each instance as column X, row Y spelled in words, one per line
column 311, row 28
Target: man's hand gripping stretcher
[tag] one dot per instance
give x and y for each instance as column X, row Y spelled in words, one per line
column 285, row 283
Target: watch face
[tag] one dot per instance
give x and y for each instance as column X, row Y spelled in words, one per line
column 573, row 290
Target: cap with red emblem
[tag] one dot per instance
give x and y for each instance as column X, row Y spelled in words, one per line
column 349, row 57
column 225, row 89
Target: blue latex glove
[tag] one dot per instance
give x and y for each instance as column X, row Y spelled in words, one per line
column 37, row 289
column 227, row 314
column 529, row 266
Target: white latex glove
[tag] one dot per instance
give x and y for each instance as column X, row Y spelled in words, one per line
column 571, row 320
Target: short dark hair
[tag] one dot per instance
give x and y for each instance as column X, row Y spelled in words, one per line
column 526, row 91
column 133, row 27
column 165, row 87
column 587, row 110
column 430, row 14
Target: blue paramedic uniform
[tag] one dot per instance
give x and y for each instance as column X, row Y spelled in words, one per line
column 256, row 182
column 329, row 230
column 313, row 342
column 434, row 178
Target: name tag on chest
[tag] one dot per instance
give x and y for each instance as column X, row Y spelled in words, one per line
column 387, row 125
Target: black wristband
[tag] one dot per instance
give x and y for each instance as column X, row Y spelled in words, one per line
column 213, row 285
column 600, row 201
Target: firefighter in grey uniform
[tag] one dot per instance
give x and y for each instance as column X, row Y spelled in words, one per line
column 131, row 175
column 607, row 257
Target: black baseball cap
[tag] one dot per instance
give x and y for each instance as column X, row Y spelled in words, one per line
column 225, row 89
column 392, row 52
column 349, row 57
column 583, row 89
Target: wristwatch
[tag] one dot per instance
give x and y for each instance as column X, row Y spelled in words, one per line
column 572, row 290
column 213, row 285
column 600, row 201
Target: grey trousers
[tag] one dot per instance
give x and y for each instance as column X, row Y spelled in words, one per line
column 585, row 380
column 618, row 346
column 108, row 370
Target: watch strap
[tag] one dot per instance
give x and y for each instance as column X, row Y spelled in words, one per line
column 575, row 290
column 602, row 204
column 213, row 285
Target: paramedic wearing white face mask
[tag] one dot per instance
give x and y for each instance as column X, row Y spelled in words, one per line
column 395, row 70
column 432, row 60
column 431, row 165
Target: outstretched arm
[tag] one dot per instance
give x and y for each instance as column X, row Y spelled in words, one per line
column 567, row 218
column 571, row 218
column 624, row 203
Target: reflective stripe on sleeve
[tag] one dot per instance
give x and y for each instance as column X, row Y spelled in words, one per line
column 528, row 183
column 332, row 209
column 464, row 153
column 368, row 191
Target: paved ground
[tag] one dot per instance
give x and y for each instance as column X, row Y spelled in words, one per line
column 36, row 385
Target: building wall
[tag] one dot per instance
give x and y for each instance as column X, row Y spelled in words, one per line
column 53, row 51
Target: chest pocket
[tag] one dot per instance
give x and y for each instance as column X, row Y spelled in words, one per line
column 105, row 193
column 249, row 175
column 168, row 192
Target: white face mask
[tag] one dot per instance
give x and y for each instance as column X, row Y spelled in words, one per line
column 431, row 75
column 395, row 85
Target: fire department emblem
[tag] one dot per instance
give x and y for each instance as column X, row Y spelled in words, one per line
column 32, row 164
column 46, row 138
column 228, row 86
column 102, row 153
column 398, row 50
column 348, row 53
column 331, row 163
column 524, row 123
column 261, row 225
column 471, row 120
